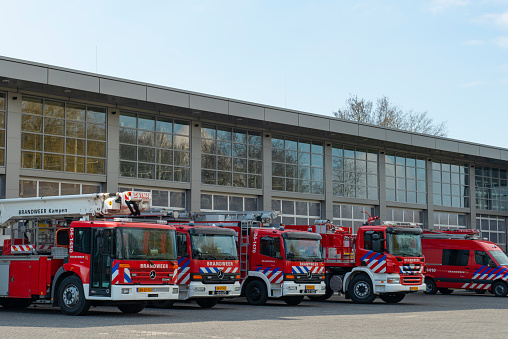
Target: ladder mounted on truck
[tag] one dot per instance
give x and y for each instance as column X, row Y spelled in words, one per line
column 32, row 223
column 451, row 234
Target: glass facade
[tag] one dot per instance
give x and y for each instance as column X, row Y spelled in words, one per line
column 220, row 202
column 2, row 128
column 297, row 165
column 355, row 172
column 161, row 198
column 297, row 212
column 405, row 179
column 351, row 215
column 231, row 157
column 493, row 228
column 154, row 148
column 491, row 188
column 62, row 136
column 450, row 184
column 404, row 215
column 29, row 188
column 448, row 220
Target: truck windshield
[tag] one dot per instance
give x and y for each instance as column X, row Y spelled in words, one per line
column 500, row 257
column 146, row 244
column 303, row 249
column 213, row 246
column 404, row 244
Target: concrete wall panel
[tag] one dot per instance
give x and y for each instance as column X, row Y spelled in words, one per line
column 168, row 97
column 310, row 121
column 398, row 137
column 372, row 132
column 447, row 145
column 123, row 89
column 209, row 104
column 344, row 127
column 490, row 152
column 281, row 117
column 423, row 141
column 504, row 155
column 23, row 71
column 469, row 149
column 73, row 80
column 246, row 111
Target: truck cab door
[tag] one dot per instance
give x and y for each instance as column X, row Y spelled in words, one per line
column 100, row 270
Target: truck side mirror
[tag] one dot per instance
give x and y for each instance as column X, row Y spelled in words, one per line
column 377, row 244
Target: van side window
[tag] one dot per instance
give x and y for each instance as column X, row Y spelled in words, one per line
column 181, row 242
column 455, row 257
column 82, row 240
column 367, row 239
column 482, row 258
column 270, row 247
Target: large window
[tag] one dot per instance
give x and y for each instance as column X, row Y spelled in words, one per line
column 405, row 179
column 297, row 165
column 234, row 203
column 297, row 212
column 404, row 215
column 2, row 129
column 355, row 172
column 62, row 136
column 493, row 228
column 491, row 188
column 161, row 198
column 450, row 184
column 230, row 157
column 154, row 148
column 351, row 215
column 44, row 188
column 447, row 220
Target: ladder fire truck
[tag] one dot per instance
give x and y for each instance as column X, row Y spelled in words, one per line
column 384, row 261
column 49, row 256
column 274, row 262
column 460, row 259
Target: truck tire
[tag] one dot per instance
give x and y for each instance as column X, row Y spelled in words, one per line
column 161, row 303
column 360, row 289
column 207, row 302
column 445, row 291
column 431, row 286
column 256, row 293
column 15, row 303
column 327, row 295
column 293, row 300
column 132, row 308
column 71, row 297
column 500, row 289
column 392, row 298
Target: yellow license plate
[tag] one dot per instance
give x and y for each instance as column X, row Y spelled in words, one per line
column 414, row 288
column 310, row 287
column 144, row 289
column 220, row 288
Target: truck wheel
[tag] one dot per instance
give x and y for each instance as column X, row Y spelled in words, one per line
column 392, row 298
column 445, row 291
column 431, row 286
column 256, row 293
column 132, row 308
column 207, row 302
column 71, row 297
column 480, row 291
column 327, row 295
column 15, row 303
column 360, row 290
column 161, row 303
column 500, row 289
column 293, row 300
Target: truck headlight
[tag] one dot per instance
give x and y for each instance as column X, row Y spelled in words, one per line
column 393, row 280
column 237, row 288
column 323, row 287
column 199, row 289
column 175, row 290
column 292, row 288
column 126, row 291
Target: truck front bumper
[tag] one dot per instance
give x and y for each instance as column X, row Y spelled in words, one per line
column 290, row 288
column 384, row 286
column 143, row 292
column 197, row 289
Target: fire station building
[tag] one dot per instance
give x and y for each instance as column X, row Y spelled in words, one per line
column 64, row 131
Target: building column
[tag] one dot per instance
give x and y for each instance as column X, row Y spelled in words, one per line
column 113, row 150
column 428, row 215
column 327, row 211
column 472, row 198
column 194, row 197
column 13, row 145
column 382, row 210
column 266, row 198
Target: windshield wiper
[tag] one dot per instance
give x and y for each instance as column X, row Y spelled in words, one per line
column 151, row 263
column 230, row 257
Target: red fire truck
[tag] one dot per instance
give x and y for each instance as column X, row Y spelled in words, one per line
column 275, row 262
column 460, row 259
column 208, row 266
column 87, row 262
column 384, row 261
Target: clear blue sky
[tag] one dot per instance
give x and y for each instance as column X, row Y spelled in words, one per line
column 447, row 57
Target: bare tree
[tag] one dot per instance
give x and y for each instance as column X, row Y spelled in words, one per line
column 390, row 115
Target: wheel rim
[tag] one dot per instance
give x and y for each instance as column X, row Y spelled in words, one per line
column 255, row 293
column 362, row 289
column 70, row 296
column 428, row 287
column 500, row 289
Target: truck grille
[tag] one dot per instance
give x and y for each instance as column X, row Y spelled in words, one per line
column 412, row 280
column 411, row 269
